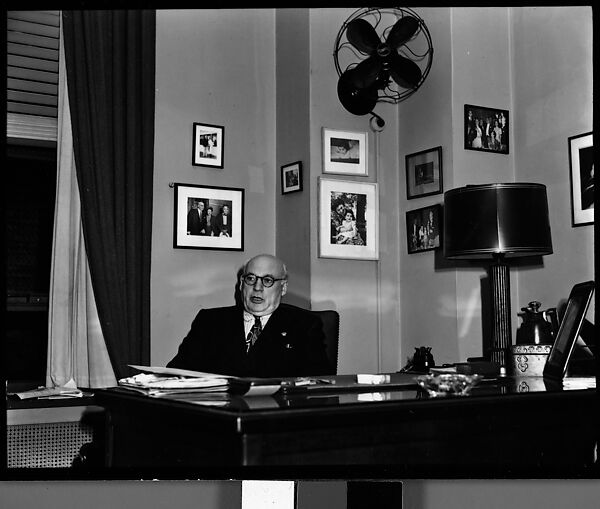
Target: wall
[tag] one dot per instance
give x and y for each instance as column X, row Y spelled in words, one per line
column 294, row 210
column 552, row 80
column 217, row 67
column 365, row 293
column 428, row 292
column 521, row 65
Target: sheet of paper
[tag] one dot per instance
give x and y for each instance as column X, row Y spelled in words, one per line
column 262, row 390
column 579, row 383
column 159, row 370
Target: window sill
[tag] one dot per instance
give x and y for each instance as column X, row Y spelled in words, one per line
column 13, row 402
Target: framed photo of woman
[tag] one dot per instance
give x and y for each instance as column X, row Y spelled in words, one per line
column 348, row 219
column 345, row 152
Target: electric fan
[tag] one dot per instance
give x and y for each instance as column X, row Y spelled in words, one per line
column 381, row 55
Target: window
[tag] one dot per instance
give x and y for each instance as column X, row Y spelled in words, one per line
column 30, row 184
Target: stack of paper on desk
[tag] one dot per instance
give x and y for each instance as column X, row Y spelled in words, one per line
column 157, row 385
column 160, row 381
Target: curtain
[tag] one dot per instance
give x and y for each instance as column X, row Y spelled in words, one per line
column 76, row 348
column 110, row 58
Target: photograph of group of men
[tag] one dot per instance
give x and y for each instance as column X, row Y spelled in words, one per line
column 209, row 218
column 423, row 229
column 486, row 129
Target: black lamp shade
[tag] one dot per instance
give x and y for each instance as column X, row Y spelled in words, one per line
column 482, row 221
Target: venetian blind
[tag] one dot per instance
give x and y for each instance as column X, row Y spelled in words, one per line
column 32, row 73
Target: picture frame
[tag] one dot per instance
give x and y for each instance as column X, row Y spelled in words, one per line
column 424, row 229
column 486, row 129
column 195, row 228
column 291, row 178
column 568, row 331
column 208, row 145
column 348, row 219
column 345, row 152
column 581, row 173
column 424, row 175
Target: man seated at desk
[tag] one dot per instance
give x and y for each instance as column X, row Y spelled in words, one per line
column 260, row 337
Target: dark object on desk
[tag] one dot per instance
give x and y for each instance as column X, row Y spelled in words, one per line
column 422, row 359
column 497, row 221
column 536, row 329
column 558, row 359
column 534, row 340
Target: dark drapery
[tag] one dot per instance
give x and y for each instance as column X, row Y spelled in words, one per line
column 110, row 62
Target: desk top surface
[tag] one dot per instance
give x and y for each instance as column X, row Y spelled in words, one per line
column 342, row 392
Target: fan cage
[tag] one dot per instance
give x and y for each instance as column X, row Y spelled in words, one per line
column 387, row 94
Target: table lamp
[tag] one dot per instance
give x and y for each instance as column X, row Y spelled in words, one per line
column 497, row 222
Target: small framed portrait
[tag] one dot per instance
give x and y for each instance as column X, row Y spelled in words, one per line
column 348, row 219
column 208, row 145
column 291, row 178
column 424, row 173
column 345, row 152
column 424, row 229
column 581, row 162
column 486, row 129
column 208, row 217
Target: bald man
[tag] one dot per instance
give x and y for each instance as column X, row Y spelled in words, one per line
column 259, row 338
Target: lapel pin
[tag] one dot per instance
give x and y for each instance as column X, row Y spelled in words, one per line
column 284, row 334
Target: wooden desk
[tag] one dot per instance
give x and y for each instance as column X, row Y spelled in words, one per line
column 497, row 431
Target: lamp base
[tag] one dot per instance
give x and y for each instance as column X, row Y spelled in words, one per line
column 501, row 331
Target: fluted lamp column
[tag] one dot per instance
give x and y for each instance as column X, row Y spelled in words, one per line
column 497, row 222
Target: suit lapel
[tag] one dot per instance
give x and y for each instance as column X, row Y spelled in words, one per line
column 236, row 328
column 276, row 328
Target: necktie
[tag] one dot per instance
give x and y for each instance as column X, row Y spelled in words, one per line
column 254, row 333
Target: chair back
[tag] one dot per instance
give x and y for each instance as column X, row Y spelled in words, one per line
column 331, row 330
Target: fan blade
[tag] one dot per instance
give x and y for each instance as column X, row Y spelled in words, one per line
column 402, row 31
column 366, row 73
column 362, row 36
column 358, row 101
column 404, row 71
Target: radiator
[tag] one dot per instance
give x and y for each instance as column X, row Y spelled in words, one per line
column 54, row 444
column 50, row 437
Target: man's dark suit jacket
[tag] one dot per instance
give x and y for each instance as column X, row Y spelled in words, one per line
column 291, row 344
column 222, row 228
column 194, row 222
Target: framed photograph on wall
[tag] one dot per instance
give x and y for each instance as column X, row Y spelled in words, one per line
column 348, row 219
column 424, row 229
column 424, row 173
column 208, row 217
column 581, row 163
column 291, row 177
column 208, row 145
column 486, row 129
column 345, row 152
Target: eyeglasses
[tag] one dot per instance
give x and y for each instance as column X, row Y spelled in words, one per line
column 267, row 281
